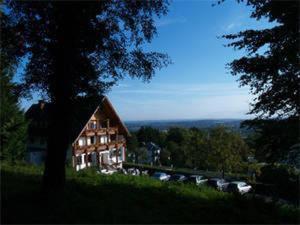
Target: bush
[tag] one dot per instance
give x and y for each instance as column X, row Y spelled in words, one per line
column 283, row 179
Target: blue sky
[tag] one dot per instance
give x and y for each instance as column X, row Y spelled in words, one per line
column 197, row 85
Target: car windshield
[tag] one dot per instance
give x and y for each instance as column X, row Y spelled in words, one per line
column 242, row 184
column 212, row 181
column 158, row 174
column 232, row 185
column 175, row 177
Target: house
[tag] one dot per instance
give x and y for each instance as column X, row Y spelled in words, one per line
column 153, row 153
column 98, row 136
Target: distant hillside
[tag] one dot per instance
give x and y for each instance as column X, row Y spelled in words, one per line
column 166, row 124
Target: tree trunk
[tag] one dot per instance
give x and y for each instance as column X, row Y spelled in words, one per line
column 223, row 171
column 60, row 89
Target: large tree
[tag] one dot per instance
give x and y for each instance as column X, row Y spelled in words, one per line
column 271, row 70
column 271, row 66
column 77, row 49
column 226, row 150
column 13, row 126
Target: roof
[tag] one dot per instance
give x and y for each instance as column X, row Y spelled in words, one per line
column 39, row 113
column 152, row 146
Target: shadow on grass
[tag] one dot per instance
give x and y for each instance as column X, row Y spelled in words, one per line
column 124, row 200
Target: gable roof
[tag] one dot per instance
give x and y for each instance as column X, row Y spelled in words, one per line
column 40, row 113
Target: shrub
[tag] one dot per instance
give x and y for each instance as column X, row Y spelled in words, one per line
column 285, row 181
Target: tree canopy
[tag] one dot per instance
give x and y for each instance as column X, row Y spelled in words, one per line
column 102, row 40
column 13, row 126
column 271, row 66
column 218, row 148
column 80, row 49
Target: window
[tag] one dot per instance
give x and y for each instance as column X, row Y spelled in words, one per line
column 120, row 153
column 103, row 139
column 89, row 157
column 88, row 141
column 92, row 125
column 81, row 141
column 93, row 140
column 78, row 160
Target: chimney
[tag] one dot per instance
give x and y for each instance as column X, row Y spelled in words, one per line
column 41, row 104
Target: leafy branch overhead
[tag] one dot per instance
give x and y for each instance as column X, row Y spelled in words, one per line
column 271, row 67
column 103, row 40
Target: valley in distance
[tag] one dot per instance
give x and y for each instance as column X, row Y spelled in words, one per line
column 162, row 125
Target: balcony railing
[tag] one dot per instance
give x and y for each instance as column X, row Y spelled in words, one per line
column 119, row 140
column 110, row 130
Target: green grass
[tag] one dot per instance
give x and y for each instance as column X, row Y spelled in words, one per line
column 94, row 198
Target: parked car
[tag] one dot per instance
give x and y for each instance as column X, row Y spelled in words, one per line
column 144, row 172
column 239, row 187
column 161, row 176
column 122, row 171
column 107, row 171
column 178, row 178
column 133, row 171
column 218, row 183
column 196, row 179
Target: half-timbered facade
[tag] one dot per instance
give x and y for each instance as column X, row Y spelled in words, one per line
column 98, row 140
column 102, row 141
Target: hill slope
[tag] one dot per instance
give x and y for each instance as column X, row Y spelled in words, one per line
column 93, row 198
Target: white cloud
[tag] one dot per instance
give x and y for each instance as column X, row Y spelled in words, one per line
column 183, row 89
column 232, row 26
column 170, row 21
column 223, row 100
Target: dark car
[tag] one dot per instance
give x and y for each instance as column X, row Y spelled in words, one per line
column 178, row 178
column 218, row 183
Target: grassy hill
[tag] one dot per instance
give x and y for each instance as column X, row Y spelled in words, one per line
column 93, row 198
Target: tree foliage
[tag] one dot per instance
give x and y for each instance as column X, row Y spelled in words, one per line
column 271, row 70
column 13, row 126
column 216, row 149
column 80, row 49
column 148, row 134
column 271, row 66
column 273, row 139
column 103, row 39
column 226, row 150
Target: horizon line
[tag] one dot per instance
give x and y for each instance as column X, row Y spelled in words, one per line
column 193, row 119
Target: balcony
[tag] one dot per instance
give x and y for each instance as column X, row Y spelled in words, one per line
column 101, row 146
column 100, row 131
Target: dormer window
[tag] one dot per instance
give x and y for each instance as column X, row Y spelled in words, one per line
column 92, row 125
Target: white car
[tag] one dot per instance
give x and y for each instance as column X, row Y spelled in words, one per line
column 133, row 171
column 106, row 171
column 239, row 187
column 161, row 176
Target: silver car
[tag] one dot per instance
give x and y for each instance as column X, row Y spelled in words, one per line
column 218, row 183
column 239, row 187
column 161, row 176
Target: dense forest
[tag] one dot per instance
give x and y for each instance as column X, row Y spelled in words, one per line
column 218, row 148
